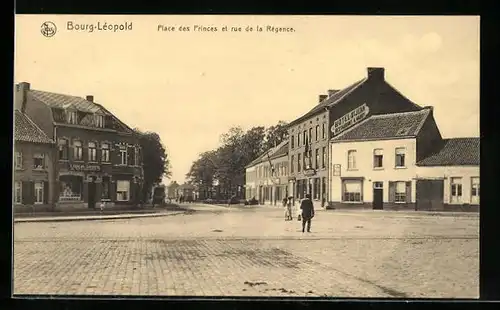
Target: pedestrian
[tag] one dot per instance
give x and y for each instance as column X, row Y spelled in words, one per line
column 102, row 205
column 307, row 208
column 289, row 208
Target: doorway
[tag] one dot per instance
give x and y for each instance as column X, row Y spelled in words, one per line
column 91, row 193
column 430, row 195
column 378, row 195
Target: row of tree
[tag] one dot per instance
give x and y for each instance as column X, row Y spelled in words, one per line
column 224, row 167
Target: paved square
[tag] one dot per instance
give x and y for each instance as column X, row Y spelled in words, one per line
column 252, row 252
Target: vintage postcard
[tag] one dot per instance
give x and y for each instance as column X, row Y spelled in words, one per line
column 212, row 155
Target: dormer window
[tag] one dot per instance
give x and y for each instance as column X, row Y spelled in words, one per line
column 99, row 120
column 72, row 117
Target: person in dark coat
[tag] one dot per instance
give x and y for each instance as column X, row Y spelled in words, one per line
column 307, row 208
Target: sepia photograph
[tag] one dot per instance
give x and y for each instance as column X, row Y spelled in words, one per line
column 246, row 156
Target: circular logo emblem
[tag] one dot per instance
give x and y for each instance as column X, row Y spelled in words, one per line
column 48, row 29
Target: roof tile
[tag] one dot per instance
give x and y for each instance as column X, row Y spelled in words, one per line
column 25, row 130
column 454, row 152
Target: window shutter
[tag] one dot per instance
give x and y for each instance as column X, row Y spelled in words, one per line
column 392, row 192
column 26, row 193
column 45, row 192
column 408, row 192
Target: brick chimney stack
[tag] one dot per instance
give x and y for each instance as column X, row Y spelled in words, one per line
column 322, row 97
column 376, row 73
column 90, row 98
column 21, row 95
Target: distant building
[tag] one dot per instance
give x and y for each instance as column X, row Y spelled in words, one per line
column 188, row 191
column 400, row 161
column 34, row 166
column 266, row 178
column 172, row 190
column 98, row 156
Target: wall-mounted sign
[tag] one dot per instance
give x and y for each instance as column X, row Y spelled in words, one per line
column 83, row 167
column 336, row 170
column 309, row 172
column 350, row 119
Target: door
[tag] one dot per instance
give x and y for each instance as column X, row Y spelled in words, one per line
column 91, row 193
column 430, row 194
column 378, row 195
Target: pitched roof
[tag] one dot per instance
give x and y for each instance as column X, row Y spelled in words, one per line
column 454, row 152
column 383, row 126
column 274, row 152
column 63, row 101
column 26, row 130
column 333, row 99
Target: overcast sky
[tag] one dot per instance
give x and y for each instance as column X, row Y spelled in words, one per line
column 192, row 87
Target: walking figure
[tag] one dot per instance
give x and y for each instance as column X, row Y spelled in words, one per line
column 307, row 208
column 287, row 203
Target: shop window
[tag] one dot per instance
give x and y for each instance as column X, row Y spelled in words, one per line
column 123, row 155
column 77, row 150
column 18, row 192
column 63, row 148
column 323, row 160
column 105, row 152
column 400, row 157
column 18, row 160
column 316, row 163
column 122, row 190
column 352, row 190
column 292, row 164
column 70, row 188
column 38, row 161
column 456, row 190
column 351, row 159
column 39, row 192
column 400, row 193
column 378, row 158
column 92, row 149
column 475, row 190
column 105, row 194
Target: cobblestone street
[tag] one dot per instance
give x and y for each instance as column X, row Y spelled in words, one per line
column 252, row 252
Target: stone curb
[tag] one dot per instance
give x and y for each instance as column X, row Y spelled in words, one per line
column 96, row 218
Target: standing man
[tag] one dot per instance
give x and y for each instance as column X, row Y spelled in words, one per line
column 307, row 208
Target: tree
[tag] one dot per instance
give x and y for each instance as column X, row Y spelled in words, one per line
column 156, row 163
column 276, row 134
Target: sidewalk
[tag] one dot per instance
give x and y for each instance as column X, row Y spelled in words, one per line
column 95, row 217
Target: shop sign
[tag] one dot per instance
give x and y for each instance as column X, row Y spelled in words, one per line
column 350, row 119
column 309, row 172
column 83, row 167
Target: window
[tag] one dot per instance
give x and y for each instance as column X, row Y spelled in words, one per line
column 323, row 130
column 378, row 158
column 351, row 159
column 317, row 132
column 304, row 161
column 105, row 188
column 400, row 192
column 474, row 190
column 352, row 190
column 400, row 157
column 317, row 159
column 304, row 137
column 38, row 161
column 456, row 190
column 99, row 120
column 298, row 140
column 92, row 152
column 292, row 163
column 105, row 152
column 63, row 148
column 123, row 155
column 122, row 190
column 136, row 156
column 71, row 188
column 323, row 160
column 292, row 141
column 72, row 117
column 18, row 160
column 316, row 188
column 18, row 192
column 77, row 150
column 298, row 162
column 39, row 192
column 310, row 134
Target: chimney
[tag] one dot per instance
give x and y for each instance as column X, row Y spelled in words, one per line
column 332, row 91
column 90, row 98
column 21, row 95
column 322, row 97
column 376, row 73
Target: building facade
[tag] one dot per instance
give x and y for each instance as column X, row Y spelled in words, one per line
column 266, row 178
column 309, row 135
column 395, row 161
column 34, row 166
column 98, row 156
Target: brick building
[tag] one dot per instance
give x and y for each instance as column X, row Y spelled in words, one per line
column 34, row 166
column 98, row 156
column 309, row 135
column 263, row 183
